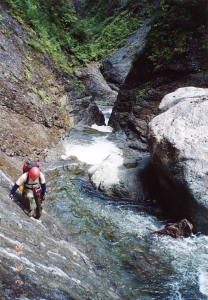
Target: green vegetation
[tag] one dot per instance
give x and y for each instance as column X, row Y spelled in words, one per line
column 177, row 23
column 55, row 28
column 1, row 18
column 27, row 75
column 42, row 94
column 141, row 92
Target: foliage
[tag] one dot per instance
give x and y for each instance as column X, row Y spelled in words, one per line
column 177, row 23
column 55, row 28
column 42, row 94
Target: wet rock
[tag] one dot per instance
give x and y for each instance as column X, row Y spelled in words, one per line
column 115, row 178
column 39, row 259
column 123, row 118
column 176, row 230
column 178, row 144
column 96, row 85
column 85, row 112
column 118, row 66
column 130, row 163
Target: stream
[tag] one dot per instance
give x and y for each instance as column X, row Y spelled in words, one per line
column 116, row 235
column 88, row 246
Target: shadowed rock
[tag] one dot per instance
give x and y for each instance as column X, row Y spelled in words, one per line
column 117, row 68
column 86, row 112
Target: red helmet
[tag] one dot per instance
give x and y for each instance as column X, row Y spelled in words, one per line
column 34, row 173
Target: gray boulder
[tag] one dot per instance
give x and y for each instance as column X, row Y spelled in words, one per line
column 118, row 66
column 96, row 85
column 85, row 112
column 118, row 177
column 178, row 140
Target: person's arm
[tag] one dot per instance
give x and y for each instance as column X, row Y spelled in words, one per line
column 19, row 182
column 43, row 185
column 13, row 191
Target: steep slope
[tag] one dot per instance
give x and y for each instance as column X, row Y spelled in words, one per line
column 33, row 102
column 39, row 260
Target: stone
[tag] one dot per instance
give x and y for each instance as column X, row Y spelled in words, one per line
column 97, row 85
column 180, row 229
column 117, row 67
column 178, row 144
column 124, row 119
column 116, row 179
column 85, row 112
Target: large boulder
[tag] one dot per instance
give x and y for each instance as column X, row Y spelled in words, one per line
column 119, row 177
column 178, row 143
column 117, row 67
column 85, row 112
column 96, row 85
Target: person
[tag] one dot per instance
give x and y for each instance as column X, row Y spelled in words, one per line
column 33, row 185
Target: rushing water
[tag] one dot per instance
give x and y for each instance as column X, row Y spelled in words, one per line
column 116, row 235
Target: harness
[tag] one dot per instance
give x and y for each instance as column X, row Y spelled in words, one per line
column 35, row 187
column 32, row 186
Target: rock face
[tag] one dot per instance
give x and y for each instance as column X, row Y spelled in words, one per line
column 132, row 118
column 96, row 85
column 178, row 144
column 118, row 66
column 33, row 101
column 38, row 259
column 86, row 112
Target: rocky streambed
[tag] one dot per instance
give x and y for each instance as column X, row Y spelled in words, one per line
column 93, row 246
column 94, row 240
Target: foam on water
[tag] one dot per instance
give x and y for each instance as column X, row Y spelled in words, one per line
column 92, row 153
column 102, row 128
column 203, row 282
column 106, row 110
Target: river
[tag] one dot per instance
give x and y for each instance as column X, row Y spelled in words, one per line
column 116, row 235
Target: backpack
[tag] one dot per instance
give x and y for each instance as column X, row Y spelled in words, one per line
column 30, row 164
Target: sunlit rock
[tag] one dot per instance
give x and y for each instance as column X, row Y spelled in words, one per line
column 116, row 178
column 97, row 85
column 117, row 67
column 179, row 147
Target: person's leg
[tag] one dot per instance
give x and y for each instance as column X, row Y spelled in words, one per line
column 38, row 201
column 29, row 202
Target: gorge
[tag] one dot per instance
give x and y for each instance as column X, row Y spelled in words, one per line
column 112, row 178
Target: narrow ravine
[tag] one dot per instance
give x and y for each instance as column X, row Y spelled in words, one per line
column 116, row 235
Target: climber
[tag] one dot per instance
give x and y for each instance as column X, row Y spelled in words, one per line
column 33, row 186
